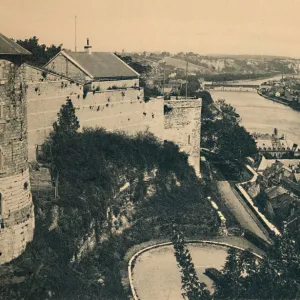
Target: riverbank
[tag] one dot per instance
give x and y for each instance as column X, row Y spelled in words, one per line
column 278, row 100
column 261, row 78
column 259, row 114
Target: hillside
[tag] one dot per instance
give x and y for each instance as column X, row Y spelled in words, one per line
column 220, row 64
column 181, row 64
column 114, row 192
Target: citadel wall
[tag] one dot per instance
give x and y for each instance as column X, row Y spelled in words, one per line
column 124, row 83
column 182, row 126
column 16, row 207
column 122, row 109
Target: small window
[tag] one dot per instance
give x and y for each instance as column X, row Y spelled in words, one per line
column 189, row 139
column 25, row 185
column 1, row 204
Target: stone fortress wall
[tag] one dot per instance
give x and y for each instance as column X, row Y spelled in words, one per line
column 182, row 126
column 114, row 109
column 117, row 109
column 16, row 207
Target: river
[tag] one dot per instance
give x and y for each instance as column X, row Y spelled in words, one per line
column 261, row 115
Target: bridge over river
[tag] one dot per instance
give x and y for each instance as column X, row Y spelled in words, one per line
column 233, row 87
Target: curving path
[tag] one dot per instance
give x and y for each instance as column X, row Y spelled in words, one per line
column 156, row 276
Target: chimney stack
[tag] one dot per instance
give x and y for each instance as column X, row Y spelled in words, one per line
column 87, row 48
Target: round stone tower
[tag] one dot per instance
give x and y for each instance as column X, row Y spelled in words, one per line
column 16, row 206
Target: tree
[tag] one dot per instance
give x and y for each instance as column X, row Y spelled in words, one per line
column 236, row 143
column 223, row 133
column 207, row 101
column 67, row 122
column 65, row 127
column 275, row 276
column 138, row 67
column 41, row 54
column 193, row 288
column 193, row 86
column 231, row 276
column 166, row 54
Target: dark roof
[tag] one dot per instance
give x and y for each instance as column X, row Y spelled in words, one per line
column 284, row 199
column 9, row 47
column 275, row 191
column 102, row 64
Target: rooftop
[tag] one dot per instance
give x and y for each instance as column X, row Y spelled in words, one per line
column 275, row 144
column 9, row 47
column 269, row 162
column 101, row 64
column 275, row 191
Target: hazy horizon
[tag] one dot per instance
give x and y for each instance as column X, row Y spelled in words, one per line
column 218, row 27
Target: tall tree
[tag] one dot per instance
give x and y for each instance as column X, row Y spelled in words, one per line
column 193, row 86
column 275, row 276
column 193, row 288
column 67, row 122
column 65, row 127
column 222, row 132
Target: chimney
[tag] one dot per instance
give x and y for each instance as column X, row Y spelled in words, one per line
column 87, row 48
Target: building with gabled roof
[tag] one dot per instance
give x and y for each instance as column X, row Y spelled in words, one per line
column 100, row 69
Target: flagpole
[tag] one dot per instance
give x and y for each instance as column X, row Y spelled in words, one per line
column 75, row 33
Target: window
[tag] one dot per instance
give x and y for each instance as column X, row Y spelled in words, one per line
column 26, row 185
column 189, row 139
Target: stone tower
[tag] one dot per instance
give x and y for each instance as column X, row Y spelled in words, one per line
column 183, row 127
column 16, row 206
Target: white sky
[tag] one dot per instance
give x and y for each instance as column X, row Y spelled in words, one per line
column 206, row 27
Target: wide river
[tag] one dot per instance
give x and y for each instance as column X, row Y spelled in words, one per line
column 261, row 115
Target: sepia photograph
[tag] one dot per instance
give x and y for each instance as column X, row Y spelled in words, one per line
column 149, row 150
